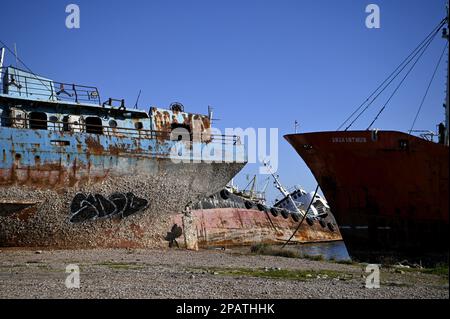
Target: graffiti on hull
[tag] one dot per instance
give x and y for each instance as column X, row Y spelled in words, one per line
column 95, row 206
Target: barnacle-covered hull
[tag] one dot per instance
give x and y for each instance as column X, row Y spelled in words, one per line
column 130, row 210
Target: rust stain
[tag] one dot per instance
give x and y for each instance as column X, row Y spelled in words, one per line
column 94, row 146
column 50, row 175
column 27, row 213
column 116, row 149
column 137, row 230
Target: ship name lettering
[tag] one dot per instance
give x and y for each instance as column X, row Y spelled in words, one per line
column 348, row 140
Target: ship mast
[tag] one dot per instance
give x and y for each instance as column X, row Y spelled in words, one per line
column 283, row 191
column 447, row 103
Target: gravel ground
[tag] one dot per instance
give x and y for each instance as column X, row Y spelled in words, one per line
column 141, row 273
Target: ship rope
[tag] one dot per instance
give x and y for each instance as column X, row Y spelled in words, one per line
column 303, row 218
column 428, row 87
column 385, row 84
column 400, row 83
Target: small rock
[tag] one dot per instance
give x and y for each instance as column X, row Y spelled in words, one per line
column 399, row 271
column 215, row 273
column 38, row 252
column 308, row 275
column 192, row 277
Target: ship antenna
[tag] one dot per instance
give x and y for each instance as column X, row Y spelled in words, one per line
column 296, row 125
column 15, row 54
column 137, row 100
column 2, row 56
column 447, row 102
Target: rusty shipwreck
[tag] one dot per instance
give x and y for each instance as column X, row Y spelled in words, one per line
column 79, row 172
column 234, row 217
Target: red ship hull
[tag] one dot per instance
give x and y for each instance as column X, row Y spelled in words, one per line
column 388, row 190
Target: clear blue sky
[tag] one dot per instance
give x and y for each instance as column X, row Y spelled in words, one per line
column 259, row 63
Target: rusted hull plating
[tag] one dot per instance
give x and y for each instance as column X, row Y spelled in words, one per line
column 55, row 160
column 388, row 190
column 225, row 227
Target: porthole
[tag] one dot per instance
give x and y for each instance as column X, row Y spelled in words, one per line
column 113, row 124
column 53, row 119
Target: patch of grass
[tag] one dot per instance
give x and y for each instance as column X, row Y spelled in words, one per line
column 121, row 266
column 268, row 250
column 43, row 266
column 440, row 270
column 314, row 257
column 281, row 273
column 395, row 284
column 12, row 266
column 345, row 262
column 264, row 249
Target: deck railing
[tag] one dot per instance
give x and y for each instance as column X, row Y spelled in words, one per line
column 15, row 83
column 76, row 127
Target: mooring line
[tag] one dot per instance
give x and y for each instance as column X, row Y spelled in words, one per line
column 304, row 216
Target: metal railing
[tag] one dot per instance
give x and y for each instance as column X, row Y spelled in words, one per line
column 77, row 127
column 426, row 134
column 17, row 84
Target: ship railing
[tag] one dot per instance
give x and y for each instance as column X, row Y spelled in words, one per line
column 295, row 188
column 426, row 134
column 121, row 132
column 17, row 84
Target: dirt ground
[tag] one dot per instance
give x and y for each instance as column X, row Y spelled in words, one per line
column 125, row 273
